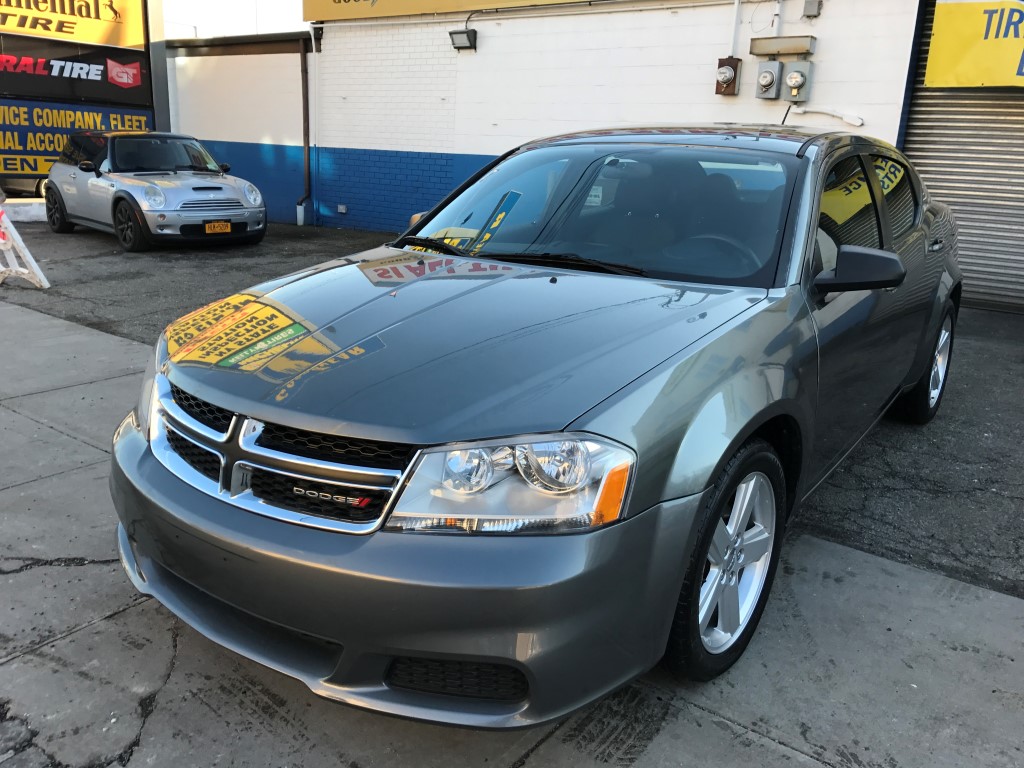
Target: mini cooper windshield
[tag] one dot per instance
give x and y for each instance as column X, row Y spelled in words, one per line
column 690, row 213
column 160, row 153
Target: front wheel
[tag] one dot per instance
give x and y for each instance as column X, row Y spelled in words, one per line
column 56, row 213
column 129, row 230
column 731, row 569
column 920, row 404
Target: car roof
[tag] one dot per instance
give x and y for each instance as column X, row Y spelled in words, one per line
column 790, row 140
column 119, row 134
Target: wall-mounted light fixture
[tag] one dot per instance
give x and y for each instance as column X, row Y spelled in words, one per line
column 463, row 39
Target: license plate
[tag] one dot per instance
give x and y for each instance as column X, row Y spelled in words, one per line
column 218, row 228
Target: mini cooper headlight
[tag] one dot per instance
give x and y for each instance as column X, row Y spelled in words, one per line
column 155, row 196
column 252, row 194
column 538, row 484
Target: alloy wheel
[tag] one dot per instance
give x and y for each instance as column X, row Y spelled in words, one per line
column 737, row 563
column 52, row 211
column 940, row 362
column 124, row 225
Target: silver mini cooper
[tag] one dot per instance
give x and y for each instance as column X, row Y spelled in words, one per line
column 148, row 187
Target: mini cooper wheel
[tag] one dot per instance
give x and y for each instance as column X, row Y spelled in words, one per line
column 56, row 214
column 732, row 567
column 129, row 230
column 920, row 404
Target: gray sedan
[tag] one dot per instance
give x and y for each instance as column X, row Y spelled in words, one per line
column 147, row 187
column 553, row 434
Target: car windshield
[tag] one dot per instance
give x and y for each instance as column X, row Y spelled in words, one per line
column 160, row 153
column 690, row 213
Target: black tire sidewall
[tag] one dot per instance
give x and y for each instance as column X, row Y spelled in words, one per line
column 63, row 225
column 139, row 239
column 686, row 654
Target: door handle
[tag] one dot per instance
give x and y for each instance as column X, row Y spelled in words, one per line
column 72, row 175
column 936, row 245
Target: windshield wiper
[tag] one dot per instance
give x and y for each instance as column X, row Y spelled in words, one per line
column 429, row 242
column 197, row 169
column 565, row 259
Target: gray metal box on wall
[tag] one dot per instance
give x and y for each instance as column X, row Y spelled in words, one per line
column 796, row 82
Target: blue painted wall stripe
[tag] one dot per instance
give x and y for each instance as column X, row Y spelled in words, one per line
column 382, row 188
column 276, row 169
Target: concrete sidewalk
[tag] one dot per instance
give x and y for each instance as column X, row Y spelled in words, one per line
column 858, row 662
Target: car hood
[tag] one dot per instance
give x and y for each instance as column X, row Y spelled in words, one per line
column 424, row 349
column 184, row 185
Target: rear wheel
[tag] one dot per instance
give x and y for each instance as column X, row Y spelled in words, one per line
column 56, row 214
column 129, row 230
column 920, row 404
column 732, row 567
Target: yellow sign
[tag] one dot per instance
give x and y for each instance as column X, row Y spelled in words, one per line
column 976, row 44
column 118, row 23
column 333, row 10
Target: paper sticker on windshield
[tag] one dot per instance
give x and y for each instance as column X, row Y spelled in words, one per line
column 497, row 218
column 595, row 195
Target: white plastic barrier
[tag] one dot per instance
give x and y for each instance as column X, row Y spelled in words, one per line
column 13, row 248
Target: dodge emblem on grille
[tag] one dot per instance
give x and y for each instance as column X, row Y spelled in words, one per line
column 352, row 501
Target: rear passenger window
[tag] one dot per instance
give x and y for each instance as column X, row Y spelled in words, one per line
column 848, row 215
column 898, row 194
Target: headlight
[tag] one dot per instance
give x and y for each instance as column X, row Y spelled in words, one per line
column 252, row 194
column 148, row 404
column 541, row 484
column 155, row 196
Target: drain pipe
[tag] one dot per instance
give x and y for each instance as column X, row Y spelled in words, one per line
column 300, row 206
column 735, row 28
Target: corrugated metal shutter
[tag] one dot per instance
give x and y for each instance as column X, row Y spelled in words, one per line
column 968, row 144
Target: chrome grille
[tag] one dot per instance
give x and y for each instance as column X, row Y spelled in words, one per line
column 207, row 413
column 315, row 445
column 340, row 502
column 339, row 487
column 206, row 463
column 211, row 205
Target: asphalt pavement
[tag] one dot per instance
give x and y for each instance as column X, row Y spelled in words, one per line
column 862, row 659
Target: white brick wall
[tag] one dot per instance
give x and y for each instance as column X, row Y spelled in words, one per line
column 400, row 85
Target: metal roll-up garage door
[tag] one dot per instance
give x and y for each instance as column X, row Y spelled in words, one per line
column 968, row 144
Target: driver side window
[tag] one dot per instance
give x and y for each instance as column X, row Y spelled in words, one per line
column 848, row 215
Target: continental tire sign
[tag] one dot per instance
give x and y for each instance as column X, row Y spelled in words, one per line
column 113, row 23
column 976, row 43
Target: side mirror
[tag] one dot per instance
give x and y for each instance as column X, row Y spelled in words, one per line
column 224, row 167
column 415, row 218
column 88, row 166
column 861, row 269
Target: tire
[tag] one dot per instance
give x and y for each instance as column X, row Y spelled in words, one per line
column 131, row 233
column 56, row 213
column 920, row 404
column 752, row 482
column 41, row 185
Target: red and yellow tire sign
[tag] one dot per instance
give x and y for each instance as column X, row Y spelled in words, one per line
column 976, row 43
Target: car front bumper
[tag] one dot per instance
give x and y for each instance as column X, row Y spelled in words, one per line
column 577, row 615
column 192, row 224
